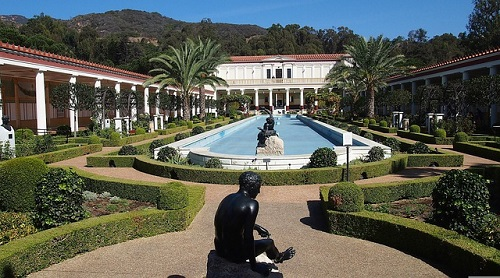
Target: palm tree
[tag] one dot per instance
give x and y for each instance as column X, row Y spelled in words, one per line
column 190, row 66
column 373, row 62
column 211, row 54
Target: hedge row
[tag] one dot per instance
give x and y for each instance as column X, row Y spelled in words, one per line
column 443, row 159
column 65, row 154
column 477, row 150
column 130, row 139
column 383, row 129
column 277, row 177
column 389, row 192
column 38, row 251
column 425, row 138
column 448, row 248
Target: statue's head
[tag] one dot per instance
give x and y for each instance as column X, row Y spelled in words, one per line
column 5, row 119
column 250, row 182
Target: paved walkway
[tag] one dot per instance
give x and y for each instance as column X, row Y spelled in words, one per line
column 292, row 215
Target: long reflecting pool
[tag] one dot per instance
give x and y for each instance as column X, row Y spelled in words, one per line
column 235, row 144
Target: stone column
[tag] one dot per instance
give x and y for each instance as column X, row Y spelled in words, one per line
column 271, row 100
column 41, row 112
column 301, row 99
column 315, row 101
column 146, row 99
column 73, row 113
column 133, row 111
column 256, row 100
column 118, row 119
column 287, row 102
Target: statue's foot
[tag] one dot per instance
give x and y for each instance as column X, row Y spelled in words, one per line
column 286, row 255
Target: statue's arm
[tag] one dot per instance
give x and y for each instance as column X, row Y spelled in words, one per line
column 253, row 210
column 263, row 232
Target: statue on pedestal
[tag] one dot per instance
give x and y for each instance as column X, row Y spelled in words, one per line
column 7, row 135
column 268, row 141
column 234, row 225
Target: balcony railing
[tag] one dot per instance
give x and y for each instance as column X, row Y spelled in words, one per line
column 289, row 81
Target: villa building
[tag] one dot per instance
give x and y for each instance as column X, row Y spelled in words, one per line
column 276, row 82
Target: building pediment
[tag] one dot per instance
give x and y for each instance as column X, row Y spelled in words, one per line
column 277, row 58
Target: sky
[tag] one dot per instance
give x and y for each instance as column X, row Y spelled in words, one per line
column 390, row 18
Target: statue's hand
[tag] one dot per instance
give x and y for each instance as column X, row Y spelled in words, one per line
column 263, row 269
column 262, row 231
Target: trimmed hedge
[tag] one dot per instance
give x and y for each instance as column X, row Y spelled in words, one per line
column 425, row 138
column 435, row 159
column 389, row 192
column 38, row 251
column 478, row 150
column 129, row 140
column 456, row 252
column 383, row 129
column 109, row 160
column 65, row 154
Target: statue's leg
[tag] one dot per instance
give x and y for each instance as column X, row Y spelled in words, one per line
column 266, row 245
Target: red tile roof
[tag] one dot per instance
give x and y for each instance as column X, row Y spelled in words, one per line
column 64, row 59
column 301, row 57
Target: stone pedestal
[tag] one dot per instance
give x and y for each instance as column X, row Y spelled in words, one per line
column 218, row 267
column 274, row 146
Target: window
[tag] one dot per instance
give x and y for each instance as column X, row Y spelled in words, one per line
column 268, row 71
column 288, row 73
column 279, row 73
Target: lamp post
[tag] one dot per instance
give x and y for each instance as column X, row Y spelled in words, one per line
column 347, row 142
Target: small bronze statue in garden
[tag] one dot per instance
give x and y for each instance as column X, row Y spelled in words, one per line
column 234, row 225
column 267, row 130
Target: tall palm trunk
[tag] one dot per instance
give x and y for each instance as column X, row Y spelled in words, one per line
column 202, row 103
column 371, row 103
column 186, row 108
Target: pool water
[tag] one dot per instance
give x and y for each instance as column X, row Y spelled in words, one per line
column 298, row 138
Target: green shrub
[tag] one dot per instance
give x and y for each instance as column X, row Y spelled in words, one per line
column 460, row 203
column 171, row 125
column 376, row 153
column 354, row 129
column 128, row 150
column 114, row 138
column 59, row 199
column 166, row 153
column 140, row 130
column 461, row 137
column 44, row 144
column 419, row 148
column 415, row 128
column 383, row 123
column 218, row 125
column 346, row 197
column 24, row 134
column 190, row 124
column 392, row 143
column 368, row 136
column 197, row 130
column 323, row 157
column 441, row 133
column 14, row 225
column 373, row 121
column 173, row 195
column 18, row 179
column 366, row 122
column 63, row 130
column 213, row 162
column 94, row 139
column 180, row 136
column 155, row 144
